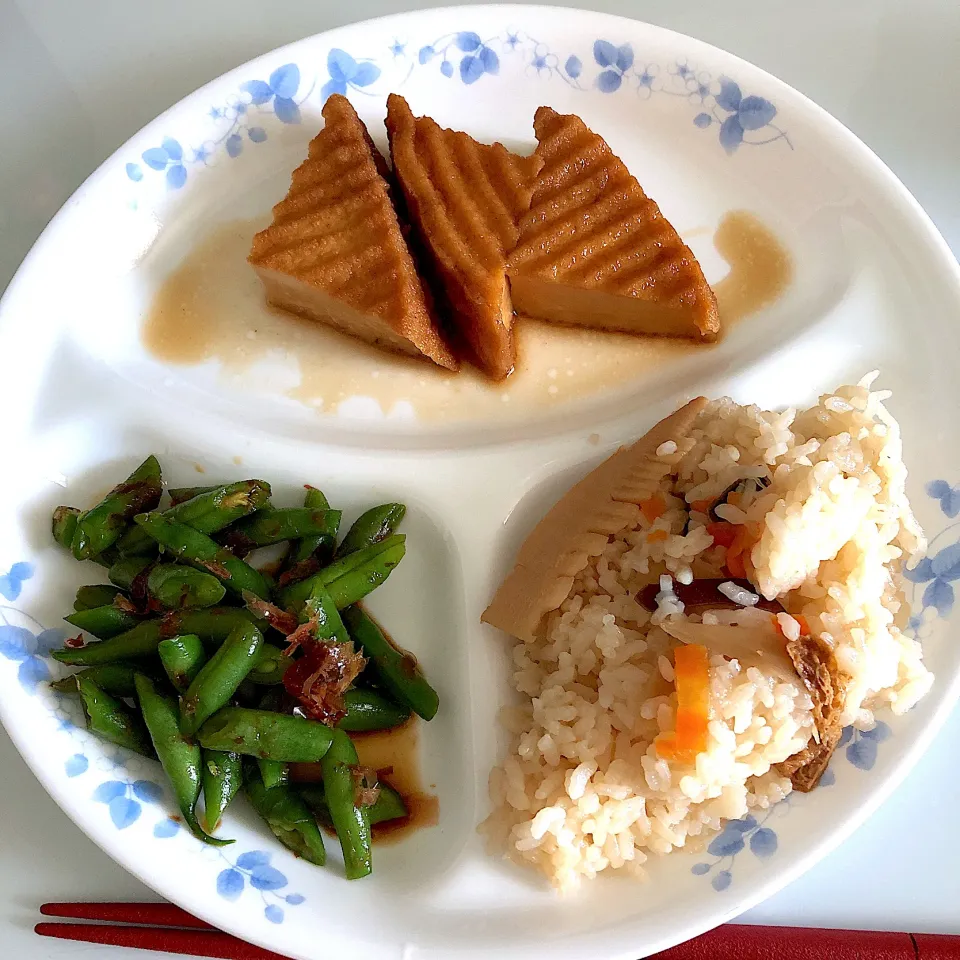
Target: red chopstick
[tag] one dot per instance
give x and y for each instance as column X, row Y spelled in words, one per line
column 189, row 943
column 151, row 914
column 171, row 929
column 741, row 942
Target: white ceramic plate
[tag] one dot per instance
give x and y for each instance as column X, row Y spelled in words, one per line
column 874, row 286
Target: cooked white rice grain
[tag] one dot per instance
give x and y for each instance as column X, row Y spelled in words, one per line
column 738, row 594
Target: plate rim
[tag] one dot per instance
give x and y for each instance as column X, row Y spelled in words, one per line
column 947, row 266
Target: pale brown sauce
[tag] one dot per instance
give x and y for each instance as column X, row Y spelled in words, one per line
column 211, row 307
column 395, row 755
column 760, row 267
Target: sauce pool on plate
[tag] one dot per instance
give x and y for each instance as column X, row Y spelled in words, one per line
column 211, row 308
column 394, row 754
column 760, row 266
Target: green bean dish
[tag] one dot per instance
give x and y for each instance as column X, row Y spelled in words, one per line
column 228, row 673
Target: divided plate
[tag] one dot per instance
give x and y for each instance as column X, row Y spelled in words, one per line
column 873, row 286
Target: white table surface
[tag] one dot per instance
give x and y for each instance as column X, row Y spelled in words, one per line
column 80, row 76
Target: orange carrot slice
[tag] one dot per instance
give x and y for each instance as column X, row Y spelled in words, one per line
column 692, row 669
column 653, row 507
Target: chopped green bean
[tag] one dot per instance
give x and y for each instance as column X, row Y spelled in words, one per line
column 275, row 525
column 102, row 525
column 215, row 509
column 368, row 710
column 222, row 778
column 287, row 816
column 351, row 820
column 371, row 527
column 350, row 579
column 179, row 757
column 319, row 606
column 217, row 682
column 179, row 494
column 139, row 641
column 104, row 622
column 396, row 669
column 208, row 511
column 177, row 587
column 110, row 719
column 389, row 804
column 182, row 658
column 266, row 735
column 212, row 623
column 270, row 667
column 273, row 773
column 116, row 679
column 126, row 570
column 136, row 543
column 99, row 595
column 196, row 548
column 308, row 554
column 64, row 525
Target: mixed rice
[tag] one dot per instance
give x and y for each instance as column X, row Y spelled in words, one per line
column 818, row 521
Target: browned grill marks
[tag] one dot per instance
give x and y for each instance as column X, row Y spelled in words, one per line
column 465, row 199
column 335, row 251
column 591, row 227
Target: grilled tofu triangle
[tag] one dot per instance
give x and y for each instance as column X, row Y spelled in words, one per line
column 464, row 200
column 335, row 251
column 595, row 250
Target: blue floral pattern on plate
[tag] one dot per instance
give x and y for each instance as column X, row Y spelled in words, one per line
column 28, row 646
column 861, row 745
column 253, row 868
column 11, row 582
column 241, row 119
column 124, row 799
column 124, row 795
column 465, row 55
column 736, row 836
column 736, row 115
column 938, row 571
column 347, row 73
column 476, row 56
